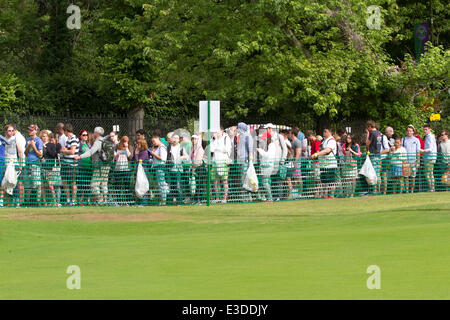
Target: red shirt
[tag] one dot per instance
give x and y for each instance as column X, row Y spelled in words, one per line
column 315, row 146
column 422, row 143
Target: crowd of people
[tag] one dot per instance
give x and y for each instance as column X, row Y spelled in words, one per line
column 97, row 168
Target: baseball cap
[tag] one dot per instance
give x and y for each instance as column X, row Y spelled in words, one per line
column 33, row 127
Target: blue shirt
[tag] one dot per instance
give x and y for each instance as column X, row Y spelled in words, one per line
column 430, row 143
column 301, row 136
column 2, row 152
column 31, row 155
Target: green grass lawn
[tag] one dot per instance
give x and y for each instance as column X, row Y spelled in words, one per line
column 318, row 249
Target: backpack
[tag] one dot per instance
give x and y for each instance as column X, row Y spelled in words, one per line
column 169, row 162
column 107, row 151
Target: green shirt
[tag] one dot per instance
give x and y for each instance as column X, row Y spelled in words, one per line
column 86, row 162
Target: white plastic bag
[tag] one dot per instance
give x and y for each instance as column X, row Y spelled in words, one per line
column 251, row 179
column 9, row 181
column 368, row 171
column 142, row 185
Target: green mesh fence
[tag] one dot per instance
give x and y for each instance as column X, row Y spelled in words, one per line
column 56, row 183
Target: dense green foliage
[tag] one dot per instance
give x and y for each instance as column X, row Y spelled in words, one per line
column 281, row 58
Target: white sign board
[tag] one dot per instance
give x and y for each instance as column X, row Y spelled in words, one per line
column 214, row 116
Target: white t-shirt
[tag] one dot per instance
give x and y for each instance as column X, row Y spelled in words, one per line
column 329, row 160
column 445, row 149
column 385, row 146
column 304, row 146
column 398, row 156
column 22, row 142
column 62, row 140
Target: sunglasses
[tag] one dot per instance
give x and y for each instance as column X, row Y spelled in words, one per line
column 84, row 135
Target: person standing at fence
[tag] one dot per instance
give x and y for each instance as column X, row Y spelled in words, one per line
column 122, row 169
column 328, row 163
column 49, row 156
column 158, row 133
column 296, row 145
column 113, row 190
column 175, row 155
column 56, row 176
column 267, row 164
column 69, row 165
column 352, row 152
column 391, row 136
column 444, row 149
column 141, row 153
column 244, row 156
column 374, row 142
column 140, row 135
column 398, row 165
column 186, row 143
column 429, row 156
column 159, row 154
column 197, row 168
column 33, row 153
column 221, row 149
column 315, row 168
column 61, row 136
column 15, row 153
column 101, row 154
column 412, row 146
column 84, row 170
column 385, row 161
column 279, row 170
column 290, row 165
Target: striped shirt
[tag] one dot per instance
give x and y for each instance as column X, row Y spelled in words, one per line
column 71, row 142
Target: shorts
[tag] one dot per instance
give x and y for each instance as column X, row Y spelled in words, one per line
column 385, row 164
column 315, row 171
column 428, row 166
column 328, row 175
column 68, row 173
column 376, row 162
column 219, row 171
column 297, row 170
column 396, row 171
column 349, row 171
column 411, row 168
column 32, row 175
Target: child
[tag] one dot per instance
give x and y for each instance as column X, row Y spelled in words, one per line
column 398, row 163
